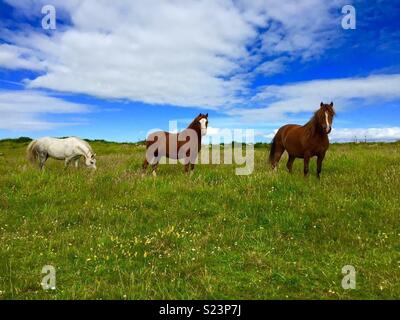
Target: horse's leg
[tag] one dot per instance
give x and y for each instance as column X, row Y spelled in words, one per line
column 306, row 164
column 154, row 164
column 77, row 162
column 42, row 159
column 144, row 167
column 188, row 168
column 67, row 161
column 145, row 164
column 191, row 169
column 154, row 168
column 289, row 164
column 319, row 164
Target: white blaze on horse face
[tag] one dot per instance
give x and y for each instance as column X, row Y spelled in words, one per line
column 203, row 123
column 328, row 125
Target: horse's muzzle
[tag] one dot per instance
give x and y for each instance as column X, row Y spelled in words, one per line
column 328, row 130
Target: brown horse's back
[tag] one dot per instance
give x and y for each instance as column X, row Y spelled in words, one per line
column 167, row 143
column 296, row 141
column 170, row 144
column 287, row 138
column 293, row 139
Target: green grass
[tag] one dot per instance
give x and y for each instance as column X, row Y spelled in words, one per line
column 113, row 234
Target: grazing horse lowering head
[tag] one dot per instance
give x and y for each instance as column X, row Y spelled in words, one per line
column 90, row 161
column 200, row 122
column 324, row 116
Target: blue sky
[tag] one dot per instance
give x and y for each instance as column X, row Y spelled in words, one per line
column 117, row 71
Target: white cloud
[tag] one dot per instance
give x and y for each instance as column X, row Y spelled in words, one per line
column 338, row 135
column 370, row 134
column 23, row 110
column 212, row 131
column 355, row 134
column 306, row 96
column 13, row 57
column 272, row 67
column 180, row 53
column 217, row 135
column 184, row 53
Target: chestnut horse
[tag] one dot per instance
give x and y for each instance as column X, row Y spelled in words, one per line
column 304, row 141
column 183, row 145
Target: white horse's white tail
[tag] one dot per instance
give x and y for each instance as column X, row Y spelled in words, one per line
column 31, row 152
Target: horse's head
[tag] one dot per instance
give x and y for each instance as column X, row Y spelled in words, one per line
column 201, row 122
column 325, row 116
column 90, row 161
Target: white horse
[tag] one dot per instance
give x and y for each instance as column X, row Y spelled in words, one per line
column 67, row 149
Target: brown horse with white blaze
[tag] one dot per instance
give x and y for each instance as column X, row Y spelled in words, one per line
column 305, row 141
column 184, row 145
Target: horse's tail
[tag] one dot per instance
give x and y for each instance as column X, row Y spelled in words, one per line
column 31, row 151
column 272, row 151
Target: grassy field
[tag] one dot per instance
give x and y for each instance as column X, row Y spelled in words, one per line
column 113, row 234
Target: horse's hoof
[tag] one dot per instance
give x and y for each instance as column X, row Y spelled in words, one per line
column 154, row 174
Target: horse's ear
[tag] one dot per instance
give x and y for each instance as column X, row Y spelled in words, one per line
column 321, row 105
column 207, row 115
column 331, row 104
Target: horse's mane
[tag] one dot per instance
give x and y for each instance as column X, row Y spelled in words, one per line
column 313, row 125
column 85, row 143
column 195, row 122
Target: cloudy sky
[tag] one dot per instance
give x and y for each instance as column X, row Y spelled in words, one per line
column 115, row 70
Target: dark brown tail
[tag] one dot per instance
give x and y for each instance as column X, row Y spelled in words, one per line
column 272, row 151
